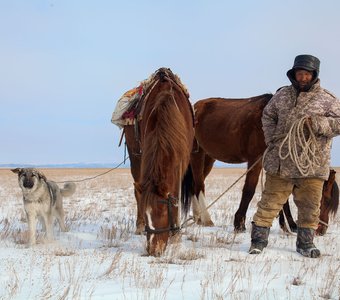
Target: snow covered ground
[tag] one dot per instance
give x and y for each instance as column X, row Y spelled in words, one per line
column 100, row 257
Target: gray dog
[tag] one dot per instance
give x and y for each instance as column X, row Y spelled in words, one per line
column 43, row 199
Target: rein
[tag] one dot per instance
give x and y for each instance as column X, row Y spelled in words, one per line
column 173, row 228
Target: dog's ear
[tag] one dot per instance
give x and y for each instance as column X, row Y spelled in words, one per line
column 16, row 171
column 41, row 176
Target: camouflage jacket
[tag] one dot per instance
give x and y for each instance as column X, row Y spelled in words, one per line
column 283, row 110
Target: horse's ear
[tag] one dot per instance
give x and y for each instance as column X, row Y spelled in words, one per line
column 16, row 170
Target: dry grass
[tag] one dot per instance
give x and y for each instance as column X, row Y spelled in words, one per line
column 101, row 253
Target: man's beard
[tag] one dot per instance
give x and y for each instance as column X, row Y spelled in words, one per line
column 305, row 87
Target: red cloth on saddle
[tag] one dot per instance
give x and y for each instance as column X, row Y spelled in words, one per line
column 135, row 94
column 130, row 114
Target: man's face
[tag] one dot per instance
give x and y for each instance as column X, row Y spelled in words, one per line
column 303, row 77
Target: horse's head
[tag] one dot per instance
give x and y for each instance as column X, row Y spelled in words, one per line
column 329, row 202
column 161, row 219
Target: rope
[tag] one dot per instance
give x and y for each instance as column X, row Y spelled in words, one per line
column 323, row 223
column 296, row 141
column 231, row 186
column 285, row 219
column 93, row 177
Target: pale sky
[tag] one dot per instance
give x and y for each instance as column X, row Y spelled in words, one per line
column 64, row 64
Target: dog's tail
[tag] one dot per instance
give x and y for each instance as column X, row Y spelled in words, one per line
column 68, row 190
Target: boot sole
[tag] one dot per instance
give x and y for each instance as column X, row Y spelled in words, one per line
column 255, row 251
column 312, row 253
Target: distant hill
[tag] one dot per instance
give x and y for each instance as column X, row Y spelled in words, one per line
column 67, row 166
column 217, row 164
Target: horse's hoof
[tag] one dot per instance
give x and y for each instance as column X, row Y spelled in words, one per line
column 140, row 229
column 240, row 229
column 293, row 229
column 208, row 223
column 239, row 223
column 284, row 228
column 321, row 231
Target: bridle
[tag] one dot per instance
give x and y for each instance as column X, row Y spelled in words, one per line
column 171, row 202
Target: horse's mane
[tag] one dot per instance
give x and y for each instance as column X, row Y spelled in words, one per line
column 164, row 147
column 261, row 99
column 263, row 96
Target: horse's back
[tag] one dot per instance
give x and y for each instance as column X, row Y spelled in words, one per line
column 230, row 130
column 227, row 105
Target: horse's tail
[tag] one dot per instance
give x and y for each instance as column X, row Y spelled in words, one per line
column 187, row 191
column 334, row 204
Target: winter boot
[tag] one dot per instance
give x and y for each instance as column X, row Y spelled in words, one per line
column 259, row 238
column 304, row 243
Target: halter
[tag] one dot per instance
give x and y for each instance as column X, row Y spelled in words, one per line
column 173, row 228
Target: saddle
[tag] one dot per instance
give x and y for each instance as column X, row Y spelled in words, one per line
column 135, row 98
column 129, row 106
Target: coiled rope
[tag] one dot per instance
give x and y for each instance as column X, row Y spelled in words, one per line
column 301, row 150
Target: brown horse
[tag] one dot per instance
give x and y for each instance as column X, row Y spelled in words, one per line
column 329, row 202
column 159, row 149
column 230, row 130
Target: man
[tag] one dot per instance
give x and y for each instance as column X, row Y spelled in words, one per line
column 303, row 102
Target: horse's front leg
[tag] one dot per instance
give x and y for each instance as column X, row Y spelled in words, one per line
column 140, row 223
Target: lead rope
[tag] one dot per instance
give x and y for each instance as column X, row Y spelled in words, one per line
column 295, row 140
column 96, row 176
